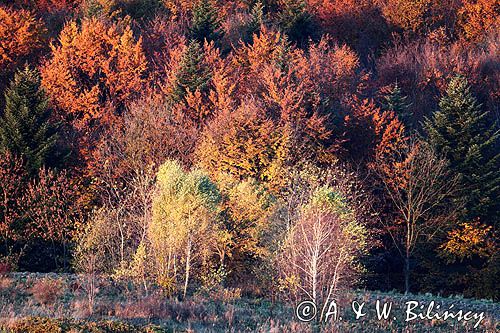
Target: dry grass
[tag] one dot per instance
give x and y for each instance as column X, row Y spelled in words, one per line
column 55, row 303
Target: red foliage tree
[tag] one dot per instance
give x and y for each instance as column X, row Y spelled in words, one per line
column 49, row 203
column 12, row 177
column 423, row 68
column 358, row 23
column 371, row 132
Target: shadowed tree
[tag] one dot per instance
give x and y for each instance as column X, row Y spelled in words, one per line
column 423, row 192
column 205, row 24
column 295, row 20
column 460, row 131
column 13, row 177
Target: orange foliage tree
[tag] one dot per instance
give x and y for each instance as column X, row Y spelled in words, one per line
column 356, row 22
column 372, row 133
column 95, row 69
column 299, row 89
column 329, row 73
column 21, row 36
column 477, row 17
column 274, row 105
column 420, row 16
column 241, row 142
column 50, row 6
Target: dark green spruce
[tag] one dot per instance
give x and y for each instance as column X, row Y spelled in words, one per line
column 25, row 127
column 193, row 73
column 468, row 138
column 394, row 100
column 205, row 23
column 296, row 21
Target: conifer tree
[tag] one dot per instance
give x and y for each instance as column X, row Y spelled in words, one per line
column 193, row 74
column 25, row 128
column 256, row 20
column 395, row 101
column 295, row 20
column 205, row 23
column 460, row 131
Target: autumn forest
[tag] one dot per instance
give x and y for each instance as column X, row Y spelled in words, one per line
column 191, row 151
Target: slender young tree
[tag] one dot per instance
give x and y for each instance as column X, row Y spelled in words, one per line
column 184, row 230
column 26, row 129
column 460, row 131
column 423, row 192
column 321, row 251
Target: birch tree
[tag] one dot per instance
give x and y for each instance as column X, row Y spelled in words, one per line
column 320, row 254
column 184, row 230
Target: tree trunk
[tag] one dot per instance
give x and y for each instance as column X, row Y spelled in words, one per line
column 188, row 266
column 407, row 273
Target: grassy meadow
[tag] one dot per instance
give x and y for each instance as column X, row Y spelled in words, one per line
column 34, row 302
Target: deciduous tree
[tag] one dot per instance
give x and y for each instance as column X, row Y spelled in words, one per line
column 13, row 177
column 51, row 211
column 477, row 17
column 424, row 196
column 321, row 252
column 184, row 231
column 242, row 142
column 22, row 35
column 95, row 69
column 248, row 208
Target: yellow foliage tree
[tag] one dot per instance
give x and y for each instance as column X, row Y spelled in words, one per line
column 184, row 232
column 248, row 208
column 243, row 143
column 468, row 240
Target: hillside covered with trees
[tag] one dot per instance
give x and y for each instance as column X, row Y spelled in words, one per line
column 277, row 149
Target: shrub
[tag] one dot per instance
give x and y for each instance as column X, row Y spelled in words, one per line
column 47, row 291
column 5, row 268
column 50, row 325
